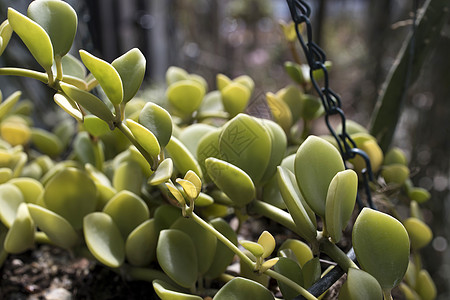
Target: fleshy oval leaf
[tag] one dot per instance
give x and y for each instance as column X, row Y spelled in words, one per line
column 103, row 239
column 58, row 19
column 131, row 68
column 140, row 246
column 360, row 285
column 88, row 101
column 64, row 196
column 5, row 35
column 10, row 199
column 58, row 229
column 166, row 291
column 233, row 181
column 419, row 233
column 127, row 210
column 158, row 121
column 174, row 74
column 95, row 126
column 128, row 176
column 177, row 257
column 316, row 163
column 292, row 270
column 20, row 236
column 31, row 188
column 7, row 105
column 301, row 250
column 46, row 142
column 162, row 173
column 106, row 75
column 145, row 138
column 243, row 289
column 185, row 96
column 381, row 246
column 268, row 242
column 302, row 215
column 247, row 144
column 235, row 97
column 69, row 106
column 340, row 202
column 204, row 242
column 182, row 157
column 256, row 249
column 33, row 36
column 425, row 286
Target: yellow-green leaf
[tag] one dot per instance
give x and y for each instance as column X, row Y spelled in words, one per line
column 185, row 96
column 106, row 75
column 268, row 242
column 33, row 36
column 70, row 106
column 20, row 236
column 5, row 35
column 145, row 138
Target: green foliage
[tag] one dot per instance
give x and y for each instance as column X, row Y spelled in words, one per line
column 141, row 185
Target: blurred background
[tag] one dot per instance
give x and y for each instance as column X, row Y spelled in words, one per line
column 235, row 37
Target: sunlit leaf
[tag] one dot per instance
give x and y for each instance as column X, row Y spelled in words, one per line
column 162, row 173
column 167, row 292
column 185, row 96
column 140, row 246
column 235, row 97
column 31, row 188
column 419, row 233
column 182, row 157
column 5, row 35
column 70, row 106
column 145, row 138
column 360, row 285
column 243, row 289
column 58, row 19
column 10, row 199
column 158, row 121
column 20, row 236
column 103, row 239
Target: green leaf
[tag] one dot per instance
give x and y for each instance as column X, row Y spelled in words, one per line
column 106, row 75
column 162, row 173
column 88, row 101
column 208, row 146
column 34, row 37
column 127, row 210
column 46, row 142
column 64, row 196
column 182, row 157
column 381, row 245
column 233, row 181
column 223, row 255
column 292, row 96
column 360, row 285
column 302, row 215
column 165, row 216
column 7, row 105
column 425, row 286
column 256, row 249
column 140, row 246
column 69, row 106
column 10, row 199
column 128, row 176
column 311, row 272
column 73, row 67
column 316, row 163
column 58, row 19
column 145, row 138
column 189, row 188
column 166, row 291
column 341, row 198
column 177, row 257
column 190, row 136
column 247, row 144
column 419, row 233
column 281, row 112
column 84, row 148
column 294, row 71
column 58, row 229
column 268, row 242
column 246, row 81
column 174, row 74
column 291, row 270
column 158, row 121
column 235, row 97
column 31, row 188
column 95, row 126
column 20, row 236
column 5, row 35
column 419, row 194
column 243, row 289
column 131, row 68
column 278, row 151
column 395, row 173
column 222, row 81
column 185, row 96
column 204, row 242
column 103, row 239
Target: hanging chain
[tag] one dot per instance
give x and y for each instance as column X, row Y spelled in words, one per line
column 315, row 56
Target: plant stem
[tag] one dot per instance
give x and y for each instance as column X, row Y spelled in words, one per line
column 25, row 73
column 273, row 213
column 302, row 291
column 247, row 260
column 59, row 69
column 336, row 254
column 127, row 132
column 387, row 294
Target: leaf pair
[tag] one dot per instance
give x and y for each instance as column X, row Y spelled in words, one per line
column 235, row 93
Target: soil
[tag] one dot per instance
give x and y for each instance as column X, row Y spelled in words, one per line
column 51, row 273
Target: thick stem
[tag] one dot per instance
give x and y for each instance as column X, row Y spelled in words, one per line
column 244, row 258
column 336, row 254
column 387, row 294
column 25, row 73
column 273, row 213
column 59, row 69
column 302, row 291
column 127, row 132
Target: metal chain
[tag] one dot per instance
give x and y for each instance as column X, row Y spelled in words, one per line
column 315, row 56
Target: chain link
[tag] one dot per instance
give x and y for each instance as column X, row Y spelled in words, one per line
column 316, row 58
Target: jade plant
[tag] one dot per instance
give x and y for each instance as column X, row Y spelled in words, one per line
column 146, row 189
